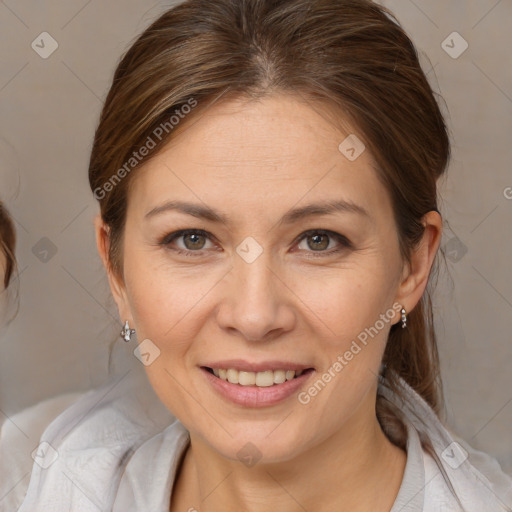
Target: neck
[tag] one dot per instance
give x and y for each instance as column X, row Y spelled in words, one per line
column 356, row 469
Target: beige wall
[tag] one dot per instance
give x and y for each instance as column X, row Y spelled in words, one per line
column 48, row 110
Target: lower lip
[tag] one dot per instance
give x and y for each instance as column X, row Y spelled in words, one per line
column 254, row 396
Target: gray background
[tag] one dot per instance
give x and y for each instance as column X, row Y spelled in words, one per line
column 49, row 108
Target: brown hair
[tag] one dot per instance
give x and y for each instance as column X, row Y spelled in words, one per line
column 7, row 243
column 351, row 55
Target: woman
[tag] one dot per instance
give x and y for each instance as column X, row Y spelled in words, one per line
column 266, row 174
column 20, row 432
column 7, row 244
column 8, row 299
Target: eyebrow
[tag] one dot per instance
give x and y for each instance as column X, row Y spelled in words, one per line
column 293, row 215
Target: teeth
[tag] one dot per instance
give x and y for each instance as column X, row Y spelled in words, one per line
column 265, row 379
column 279, row 376
column 232, row 376
column 246, row 378
column 261, row 379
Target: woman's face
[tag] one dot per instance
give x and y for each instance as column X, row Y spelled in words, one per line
column 276, row 286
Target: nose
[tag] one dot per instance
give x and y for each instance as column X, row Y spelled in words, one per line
column 257, row 302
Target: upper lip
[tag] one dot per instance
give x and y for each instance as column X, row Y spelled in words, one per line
column 246, row 366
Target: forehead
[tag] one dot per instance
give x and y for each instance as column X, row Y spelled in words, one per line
column 263, row 133
column 259, row 155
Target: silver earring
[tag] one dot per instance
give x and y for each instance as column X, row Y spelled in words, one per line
column 404, row 318
column 126, row 333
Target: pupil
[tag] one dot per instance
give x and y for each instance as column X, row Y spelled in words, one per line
column 316, row 239
column 194, row 242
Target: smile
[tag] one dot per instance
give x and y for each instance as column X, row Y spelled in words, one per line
column 262, row 379
column 256, row 389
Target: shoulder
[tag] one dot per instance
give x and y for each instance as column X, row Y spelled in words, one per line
column 19, row 437
column 438, row 495
column 152, row 466
column 99, row 432
column 475, row 477
column 451, row 467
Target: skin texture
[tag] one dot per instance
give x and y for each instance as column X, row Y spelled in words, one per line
column 253, row 161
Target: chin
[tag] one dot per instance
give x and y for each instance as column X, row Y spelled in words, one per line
column 265, row 444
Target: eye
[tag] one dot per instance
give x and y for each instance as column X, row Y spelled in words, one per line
column 321, row 240
column 193, row 241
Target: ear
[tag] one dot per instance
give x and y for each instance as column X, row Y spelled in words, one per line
column 116, row 283
column 415, row 276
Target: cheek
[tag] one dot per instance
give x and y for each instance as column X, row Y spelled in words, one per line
column 166, row 307
column 162, row 305
column 169, row 304
column 344, row 302
column 353, row 312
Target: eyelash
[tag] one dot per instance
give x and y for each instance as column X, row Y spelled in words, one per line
column 344, row 242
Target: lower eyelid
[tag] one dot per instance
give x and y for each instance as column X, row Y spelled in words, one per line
column 184, row 249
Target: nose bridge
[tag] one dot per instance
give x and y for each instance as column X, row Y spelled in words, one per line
column 258, row 302
column 254, row 272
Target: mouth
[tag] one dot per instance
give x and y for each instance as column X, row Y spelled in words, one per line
column 260, row 379
column 256, row 384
